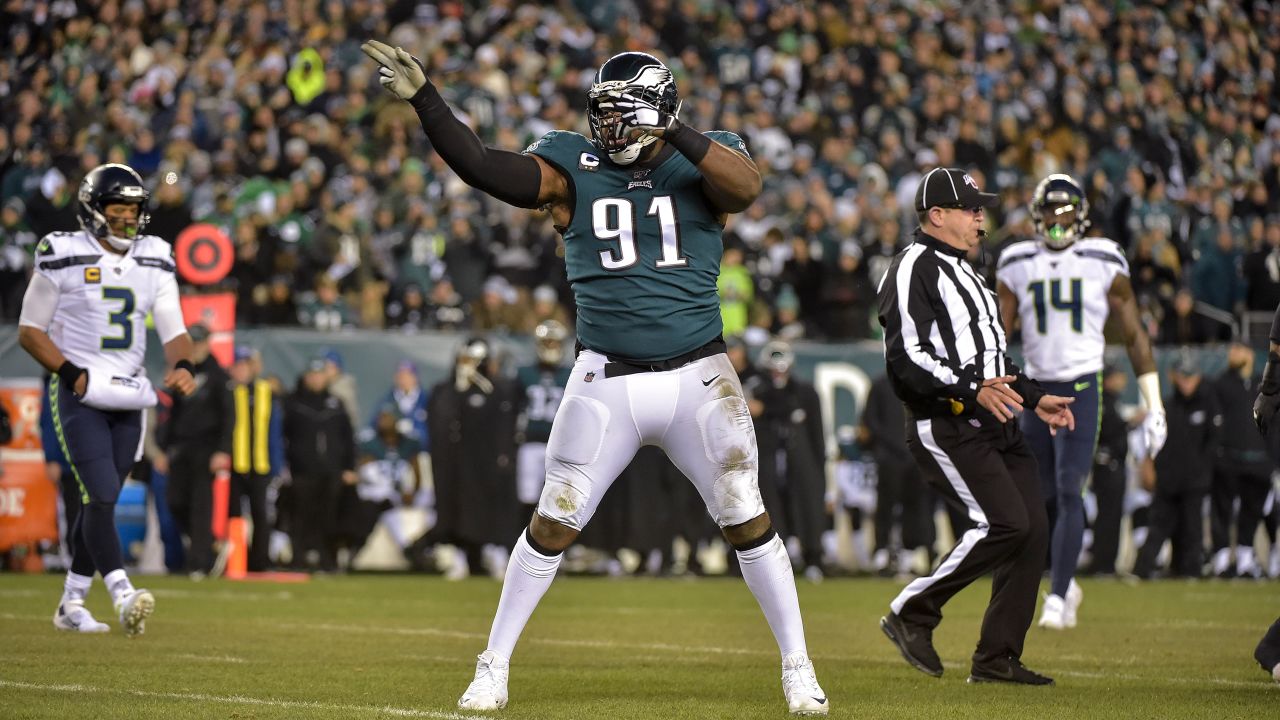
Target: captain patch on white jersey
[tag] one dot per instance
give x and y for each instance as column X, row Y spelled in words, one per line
column 1062, row 303
column 99, row 300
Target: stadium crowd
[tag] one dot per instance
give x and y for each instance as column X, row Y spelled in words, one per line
column 263, row 118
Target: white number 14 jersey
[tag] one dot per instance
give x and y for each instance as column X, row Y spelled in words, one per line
column 1062, row 303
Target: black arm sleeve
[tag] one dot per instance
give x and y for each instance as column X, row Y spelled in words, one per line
column 511, row 177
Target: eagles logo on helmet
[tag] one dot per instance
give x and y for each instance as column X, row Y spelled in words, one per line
column 1059, row 194
column 106, row 185
column 641, row 76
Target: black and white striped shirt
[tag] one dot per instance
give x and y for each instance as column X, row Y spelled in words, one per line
column 942, row 333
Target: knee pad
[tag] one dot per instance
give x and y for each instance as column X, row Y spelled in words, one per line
column 729, row 441
column 578, row 434
column 576, row 441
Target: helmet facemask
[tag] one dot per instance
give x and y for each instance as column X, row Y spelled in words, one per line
column 1061, row 199
column 112, row 184
column 646, row 79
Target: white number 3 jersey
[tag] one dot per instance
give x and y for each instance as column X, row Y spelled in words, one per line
column 104, row 298
column 1062, row 303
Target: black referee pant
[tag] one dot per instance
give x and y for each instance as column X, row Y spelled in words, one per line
column 987, row 468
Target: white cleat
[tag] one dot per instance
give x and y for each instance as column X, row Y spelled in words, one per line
column 800, row 686
column 1053, row 615
column 1075, row 596
column 73, row 617
column 489, row 689
column 134, row 610
column 1275, row 672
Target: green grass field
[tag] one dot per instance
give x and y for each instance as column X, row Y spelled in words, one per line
column 403, row 646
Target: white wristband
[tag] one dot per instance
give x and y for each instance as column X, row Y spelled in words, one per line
column 1149, row 389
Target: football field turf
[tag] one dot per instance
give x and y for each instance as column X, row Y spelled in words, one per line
column 404, row 646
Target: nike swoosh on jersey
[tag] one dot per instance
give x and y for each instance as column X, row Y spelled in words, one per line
column 707, row 383
column 1082, row 386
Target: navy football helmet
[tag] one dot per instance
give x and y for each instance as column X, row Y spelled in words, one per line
column 1059, row 194
column 634, row 73
column 109, row 184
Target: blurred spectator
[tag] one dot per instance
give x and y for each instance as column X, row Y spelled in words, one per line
column 1163, row 110
column 257, row 449
column 17, row 246
column 1183, row 325
column 1262, row 269
column 409, row 399
column 389, row 478
column 847, row 294
column 196, row 442
column 903, row 500
column 1183, row 472
column 341, row 384
column 320, row 450
column 1241, row 470
column 472, row 420
column 327, row 311
column 792, row 454
column 1109, row 477
column 736, row 291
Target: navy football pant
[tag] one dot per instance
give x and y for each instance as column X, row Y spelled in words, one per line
column 1065, row 461
column 100, row 446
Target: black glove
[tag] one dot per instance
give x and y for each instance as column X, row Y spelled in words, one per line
column 1268, row 401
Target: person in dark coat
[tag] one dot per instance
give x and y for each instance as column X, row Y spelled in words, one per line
column 321, row 451
column 902, row 497
column 197, row 444
column 1109, row 479
column 472, row 423
column 1241, row 470
column 1183, row 472
column 792, row 452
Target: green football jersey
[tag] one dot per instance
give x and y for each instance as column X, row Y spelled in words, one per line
column 543, row 389
column 642, row 249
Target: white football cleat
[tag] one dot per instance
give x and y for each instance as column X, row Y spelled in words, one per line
column 72, row 616
column 488, row 691
column 1075, row 596
column 134, row 610
column 1275, row 672
column 800, row 686
column 1052, row 616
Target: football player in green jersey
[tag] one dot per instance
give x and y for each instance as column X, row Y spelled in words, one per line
column 641, row 206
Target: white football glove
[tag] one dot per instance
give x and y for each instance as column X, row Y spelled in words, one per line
column 639, row 114
column 402, row 74
column 1155, row 430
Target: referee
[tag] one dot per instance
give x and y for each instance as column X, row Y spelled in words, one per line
column 945, row 352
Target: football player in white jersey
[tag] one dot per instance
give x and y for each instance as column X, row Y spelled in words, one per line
column 1061, row 288
column 83, row 320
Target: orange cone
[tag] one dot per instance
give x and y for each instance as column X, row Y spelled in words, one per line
column 237, row 548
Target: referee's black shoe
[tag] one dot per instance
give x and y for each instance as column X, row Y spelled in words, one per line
column 1008, row 669
column 914, row 642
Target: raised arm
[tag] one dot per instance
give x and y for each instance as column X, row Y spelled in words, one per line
column 521, row 180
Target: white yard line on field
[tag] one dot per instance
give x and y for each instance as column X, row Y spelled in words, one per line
column 210, row 658
column 237, row 700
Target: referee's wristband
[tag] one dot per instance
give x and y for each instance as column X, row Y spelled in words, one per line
column 69, row 373
column 185, row 364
